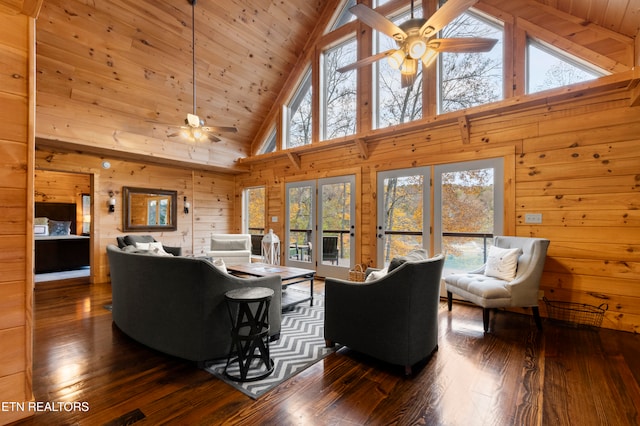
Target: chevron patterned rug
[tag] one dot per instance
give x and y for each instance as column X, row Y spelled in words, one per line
column 301, row 345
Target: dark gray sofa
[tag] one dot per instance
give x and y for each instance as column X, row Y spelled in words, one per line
column 176, row 304
column 393, row 318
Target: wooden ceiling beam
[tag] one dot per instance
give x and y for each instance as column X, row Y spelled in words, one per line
column 25, row 7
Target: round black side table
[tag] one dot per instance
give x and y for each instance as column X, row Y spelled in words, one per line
column 249, row 313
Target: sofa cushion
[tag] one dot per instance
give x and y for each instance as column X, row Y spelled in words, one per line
column 413, row 256
column 502, row 263
column 131, row 240
column 226, row 245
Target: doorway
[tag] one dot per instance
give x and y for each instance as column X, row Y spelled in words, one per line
column 320, row 225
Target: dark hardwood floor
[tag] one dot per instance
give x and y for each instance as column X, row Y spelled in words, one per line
column 514, row 375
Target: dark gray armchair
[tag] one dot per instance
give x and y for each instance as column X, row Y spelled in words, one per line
column 393, row 318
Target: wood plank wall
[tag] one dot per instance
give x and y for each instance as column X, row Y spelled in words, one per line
column 17, row 44
column 577, row 162
column 210, row 194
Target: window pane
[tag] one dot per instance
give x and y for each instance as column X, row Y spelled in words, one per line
column 403, row 210
column 339, row 91
column 396, row 104
column 300, row 246
column 300, row 119
column 269, row 144
column 255, row 201
column 336, row 222
column 471, row 79
column 467, row 208
column 547, row 69
column 345, row 16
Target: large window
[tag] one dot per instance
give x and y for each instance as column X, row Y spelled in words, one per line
column 339, row 91
column 471, row 79
column 548, row 68
column 299, row 117
column 395, row 104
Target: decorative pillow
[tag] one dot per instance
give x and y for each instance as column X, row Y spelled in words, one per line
column 376, row 275
column 502, row 263
column 153, row 248
column 413, row 256
column 219, row 264
column 57, row 227
column 226, row 245
column 41, row 221
column 131, row 240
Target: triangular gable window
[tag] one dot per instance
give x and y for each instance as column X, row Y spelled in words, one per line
column 548, row 68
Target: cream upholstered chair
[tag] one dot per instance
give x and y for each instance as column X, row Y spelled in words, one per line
column 496, row 284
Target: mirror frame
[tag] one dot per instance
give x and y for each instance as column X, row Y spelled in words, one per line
column 127, row 191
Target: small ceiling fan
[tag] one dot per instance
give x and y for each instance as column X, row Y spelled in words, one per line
column 194, row 127
column 414, row 38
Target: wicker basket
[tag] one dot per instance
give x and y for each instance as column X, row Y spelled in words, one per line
column 576, row 314
column 357, row 274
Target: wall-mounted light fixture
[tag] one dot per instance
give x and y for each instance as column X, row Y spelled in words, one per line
column 112, row 202
column 187, row 205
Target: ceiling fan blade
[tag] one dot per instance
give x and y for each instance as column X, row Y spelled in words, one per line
column 213, row 138
column 378, row 22
column 220, row 129
column 447, row 13
column 366, row 61
column 467, row 44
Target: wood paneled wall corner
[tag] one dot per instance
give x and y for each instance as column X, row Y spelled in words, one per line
column 17, row 103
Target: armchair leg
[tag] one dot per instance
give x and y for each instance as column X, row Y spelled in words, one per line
column 449, row 300
column 536, row 317
column 407, row 370
column 485, row 319
column 328, row 343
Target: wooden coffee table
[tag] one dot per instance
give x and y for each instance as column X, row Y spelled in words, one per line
column 288, row 274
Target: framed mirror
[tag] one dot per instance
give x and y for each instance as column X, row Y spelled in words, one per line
column 147, row 209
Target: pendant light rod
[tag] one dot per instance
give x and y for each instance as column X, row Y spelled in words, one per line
column 193, row 50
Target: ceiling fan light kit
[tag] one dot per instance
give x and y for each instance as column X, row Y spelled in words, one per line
column 414, row 38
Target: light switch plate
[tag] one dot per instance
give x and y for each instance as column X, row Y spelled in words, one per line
column 533, row 218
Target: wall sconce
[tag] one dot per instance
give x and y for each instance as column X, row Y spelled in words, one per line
column 112, row 202
column 187, row 205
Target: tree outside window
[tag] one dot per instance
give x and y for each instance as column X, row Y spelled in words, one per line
column 471, row 79
column 339, row 91
column 300, row 117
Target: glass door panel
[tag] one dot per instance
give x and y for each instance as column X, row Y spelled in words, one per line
column 299, row 241
column 336, row 237
column 403, row 213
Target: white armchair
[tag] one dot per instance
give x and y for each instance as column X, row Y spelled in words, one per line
column 232, row 248
column 491, row 289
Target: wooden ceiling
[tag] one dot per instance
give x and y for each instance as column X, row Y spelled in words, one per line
column 114, row 77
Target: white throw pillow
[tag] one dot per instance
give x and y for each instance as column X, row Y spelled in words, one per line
column 502, row 263
column 219, row 264
column 155, row 247
column 376, row 275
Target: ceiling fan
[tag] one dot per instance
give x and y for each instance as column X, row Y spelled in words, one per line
column 194, row 127
column 415, row 38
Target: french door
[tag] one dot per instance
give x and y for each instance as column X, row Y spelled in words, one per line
column 403, row 212
column 320, row 228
